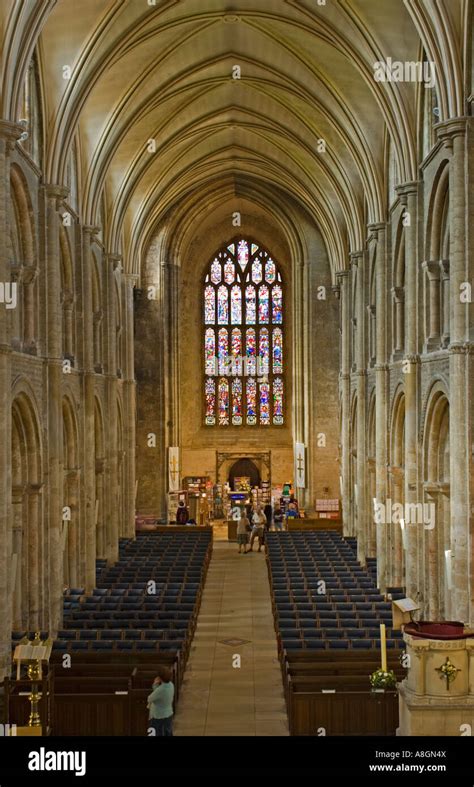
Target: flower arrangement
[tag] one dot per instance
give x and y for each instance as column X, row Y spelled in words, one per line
column 380, row 679
column 447, row 671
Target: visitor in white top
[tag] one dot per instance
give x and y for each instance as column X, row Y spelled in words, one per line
column 259, row 521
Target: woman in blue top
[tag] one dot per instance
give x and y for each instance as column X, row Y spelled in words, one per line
column 160, row 703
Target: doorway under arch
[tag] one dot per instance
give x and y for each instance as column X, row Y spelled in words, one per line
column 246, row 468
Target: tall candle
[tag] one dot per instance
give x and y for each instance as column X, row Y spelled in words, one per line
column 383, row 647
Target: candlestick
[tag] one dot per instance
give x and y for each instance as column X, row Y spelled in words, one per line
column 383, row 647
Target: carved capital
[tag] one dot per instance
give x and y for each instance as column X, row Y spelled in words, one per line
column 405, row 190
column 56, row 192
column 432, row 269
column 444, row 269
column 376, row 227
column 448, row 130
column 342, row 275
column 91, row 230
column 356, row 258
column 11, row 132
column 398, row 294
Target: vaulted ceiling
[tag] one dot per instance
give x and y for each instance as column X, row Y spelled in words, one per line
column 165, row 72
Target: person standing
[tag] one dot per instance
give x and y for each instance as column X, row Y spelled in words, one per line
column 258, row 528
column 268, row 511
column 160, row 703
column 243, row 526
column 182, row 514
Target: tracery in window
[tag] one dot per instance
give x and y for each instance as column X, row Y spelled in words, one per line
column 243, row 316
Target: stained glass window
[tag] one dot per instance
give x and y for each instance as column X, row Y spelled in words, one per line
column 256, row 271
column 209, row 305
column 243, row 337
column 270, row 271
column 251, row 401
column 229, row 272
column 237, row 401
column 243, row 253
column 216, row 273
column 223, row 350
column 250, row 305
column 236, row 352
column 277, row 351
column 210, row 351
column 223, row 401
column 223, row 305
column 236, row 304
column 264, row 353
column 210, row 401
column 277, row 296
column 251, row 352
column 264, row 403
column 263, row 304
column 277, row 401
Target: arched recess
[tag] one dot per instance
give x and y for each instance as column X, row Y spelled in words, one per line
column 398, row 295
column 437, row 276
column 395, row 557
column 436, row 478
column 97, row 316
column 67, row 296
column 24, row 317
column 27, row 512
column 70, row 534
column 99, row 454
column 371, row 477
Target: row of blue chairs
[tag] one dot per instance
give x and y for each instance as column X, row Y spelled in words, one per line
column 338, row 644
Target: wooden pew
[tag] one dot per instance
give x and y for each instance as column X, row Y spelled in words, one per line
column 343, row 713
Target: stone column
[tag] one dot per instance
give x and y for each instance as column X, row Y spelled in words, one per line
column 457, row 136
column 88, row 448
column 345, row 387
column 54, row 195
column 129, row 399
column 17, row 587
column 398, row 295
column 169, row 291
column 9, row 133
column 432, row 329
column 358, row 262
column 40, row 566
column 408, row 194
column 381, row 389
column 112, row 264
column 445, row 293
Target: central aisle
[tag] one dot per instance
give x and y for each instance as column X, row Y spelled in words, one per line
column 216, row 698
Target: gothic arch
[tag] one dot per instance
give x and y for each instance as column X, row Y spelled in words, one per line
column 27, row 509
column 67, row 294
column 437, row 212
column 71, row 498
column 396, row 486
column 99, row 454
column 23, row 319
column 436, row 487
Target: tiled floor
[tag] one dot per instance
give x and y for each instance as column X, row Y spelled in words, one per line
column 219, row 698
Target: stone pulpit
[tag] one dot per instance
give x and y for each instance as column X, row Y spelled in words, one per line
column 437, row 696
